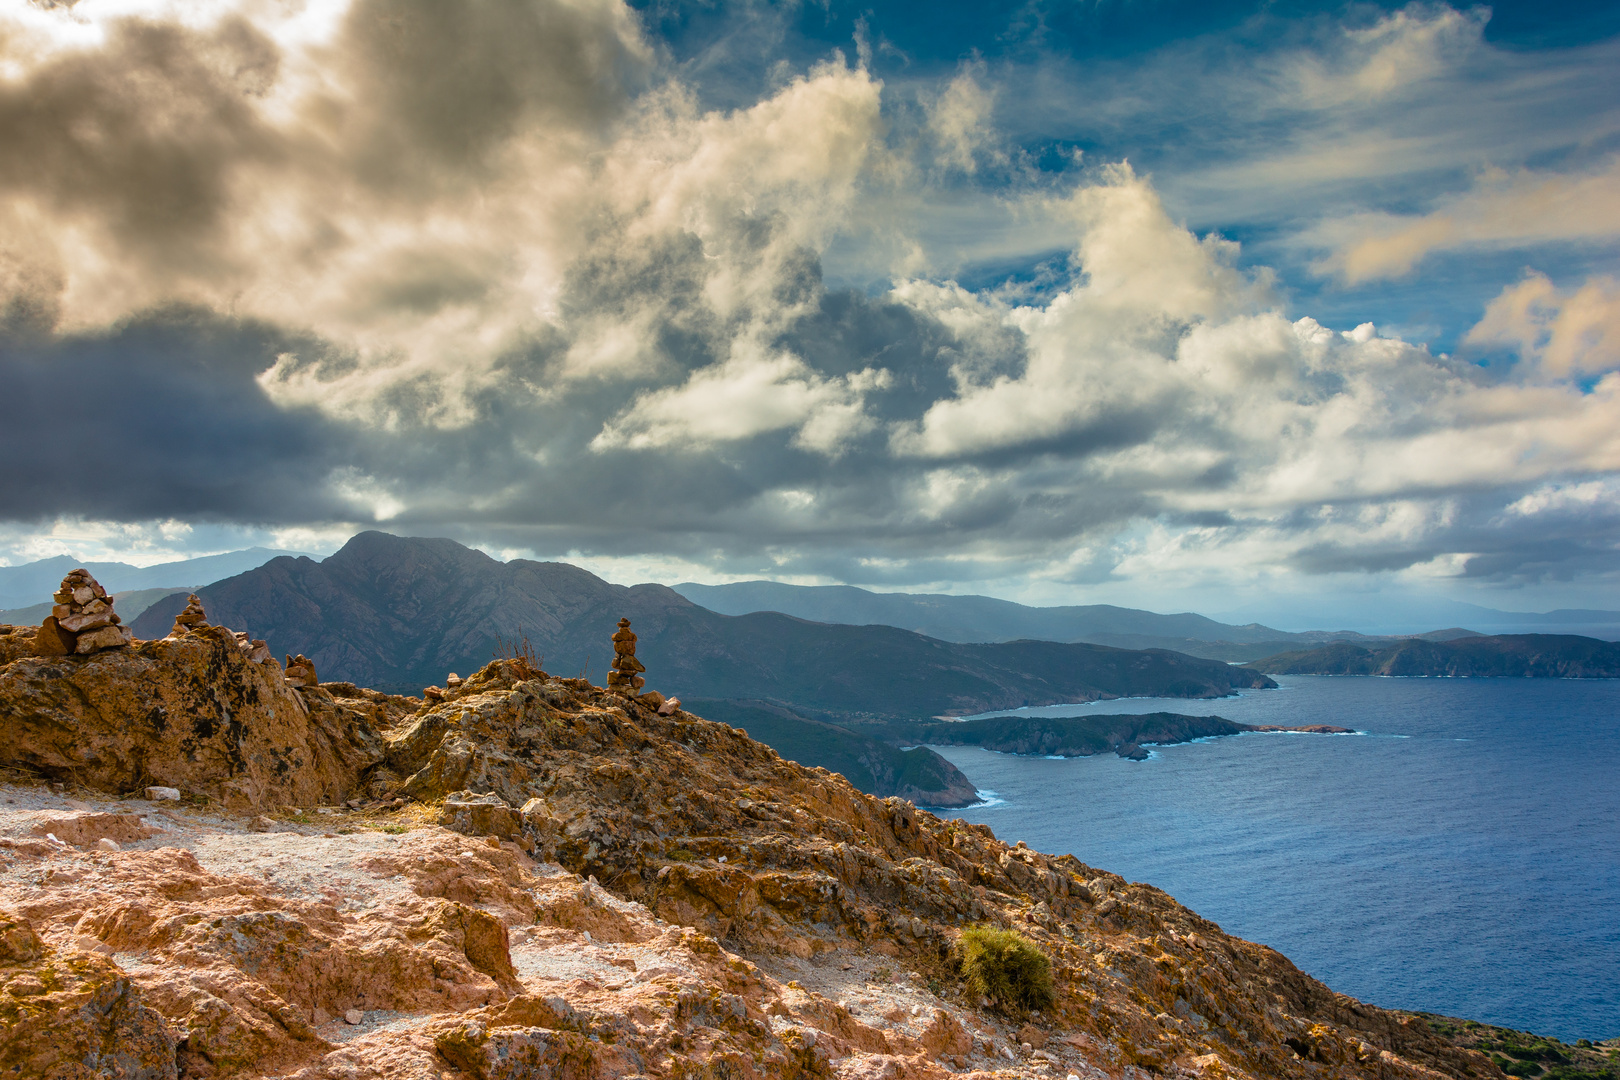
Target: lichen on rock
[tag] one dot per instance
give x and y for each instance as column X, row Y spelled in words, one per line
column 534, row 876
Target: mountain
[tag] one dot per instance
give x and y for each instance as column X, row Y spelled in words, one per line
column 966, row 618
column 32, row 583
column 1553, row 656
column 984, row 618
column 400, row 613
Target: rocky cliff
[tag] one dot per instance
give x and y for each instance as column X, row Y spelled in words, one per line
column 532, row 876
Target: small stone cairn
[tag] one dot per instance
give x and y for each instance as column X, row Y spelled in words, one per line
column 626, row 673
column 300, row 671
column 82, row 620
column 194, row 618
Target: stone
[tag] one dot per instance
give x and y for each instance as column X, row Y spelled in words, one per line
column 472, row 814
column 87, row 621
column 83, row 595
column 670, row 707
column 107, row 843
column 163, row 794
column 1033, row 1036
column 108, row 637
column 52, row 640
column 452, row 680
column 354, row 1016
column 300, row 671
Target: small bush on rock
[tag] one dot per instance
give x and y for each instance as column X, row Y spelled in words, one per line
column 1006, row 967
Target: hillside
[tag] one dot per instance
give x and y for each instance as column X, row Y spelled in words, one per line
column 537, row 877
column 918, row 775
column 1550, row 656
column 401, row 613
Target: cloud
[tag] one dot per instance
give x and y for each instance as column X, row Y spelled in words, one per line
column 1501, row 210
column 495, row 269
column 747, row 396
column 1566, row 334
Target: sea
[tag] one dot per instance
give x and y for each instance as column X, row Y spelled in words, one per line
column 1460, row 854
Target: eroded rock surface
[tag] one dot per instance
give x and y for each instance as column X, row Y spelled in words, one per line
column 628, row 894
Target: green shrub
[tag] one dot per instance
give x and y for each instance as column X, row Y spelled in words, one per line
column 1006, row 967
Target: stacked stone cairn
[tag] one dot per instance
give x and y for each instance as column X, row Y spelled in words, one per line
column 626, row 673
column 194, row 618
column 300, row 671
column 82, row 621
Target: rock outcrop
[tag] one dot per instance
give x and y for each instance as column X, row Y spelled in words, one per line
column 82, row 621
column 612, row 893
column 72, row 1015
column 193, row 713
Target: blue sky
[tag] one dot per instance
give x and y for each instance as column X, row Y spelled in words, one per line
column 1238, row 308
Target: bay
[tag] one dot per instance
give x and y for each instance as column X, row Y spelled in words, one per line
column 1460, row 855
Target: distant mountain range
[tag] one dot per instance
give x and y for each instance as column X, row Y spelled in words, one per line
column 401, row 613
column 985, row 618
column 1550, row 656
column 31, row 584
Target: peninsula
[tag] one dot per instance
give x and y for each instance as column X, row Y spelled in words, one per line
column 1127, row 734
column 1546, row 656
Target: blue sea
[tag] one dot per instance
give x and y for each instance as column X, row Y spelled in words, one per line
column 1461, row 855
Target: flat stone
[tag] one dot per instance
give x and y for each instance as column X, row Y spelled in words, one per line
column 354, row 1016
column 78, row 624
column 51, row 640
column 161, row 794
column 107, row 843
column 108, row 637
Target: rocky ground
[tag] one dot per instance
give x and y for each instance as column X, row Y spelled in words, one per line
column 531, row 877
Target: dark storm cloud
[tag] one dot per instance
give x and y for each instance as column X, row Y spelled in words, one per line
column 160, row 417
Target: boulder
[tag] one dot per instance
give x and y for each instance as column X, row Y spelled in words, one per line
column 472, row 814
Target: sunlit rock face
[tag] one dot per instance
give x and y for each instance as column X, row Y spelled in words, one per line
column 613, row 892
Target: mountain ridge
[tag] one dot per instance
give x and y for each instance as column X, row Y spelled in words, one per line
column 402, row 612
column 1551, row 656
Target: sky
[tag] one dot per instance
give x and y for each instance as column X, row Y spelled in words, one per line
column 1237, row 307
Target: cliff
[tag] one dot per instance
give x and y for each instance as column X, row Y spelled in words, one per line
column 1546, row 656
column 533, row 876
